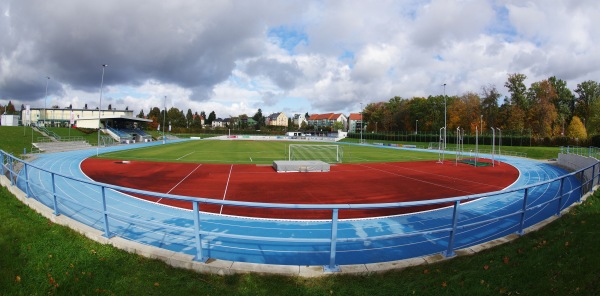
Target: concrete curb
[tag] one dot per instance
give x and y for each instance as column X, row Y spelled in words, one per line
column 224, row 267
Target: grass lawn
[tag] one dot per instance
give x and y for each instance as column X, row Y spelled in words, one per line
column 530, row 152
column 255, row 152
column 17, row 139
column 40, row 257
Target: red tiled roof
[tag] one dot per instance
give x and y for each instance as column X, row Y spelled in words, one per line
column 355, row 116
column 329, row 116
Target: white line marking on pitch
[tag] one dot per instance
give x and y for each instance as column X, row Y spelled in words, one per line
column 185, row 155
column 226, row 186
column 183, row 179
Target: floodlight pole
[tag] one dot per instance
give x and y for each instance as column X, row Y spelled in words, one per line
column 46, row 99
column 481, row 122
column 362, row 124
column 445, row 118
column 417, row 127
column 476, row 145
column 100, row 109
column 493, row 144
column 499, row 141
column 164, row 118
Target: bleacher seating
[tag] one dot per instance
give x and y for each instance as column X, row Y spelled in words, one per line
column 119, row 135
column 50, row 147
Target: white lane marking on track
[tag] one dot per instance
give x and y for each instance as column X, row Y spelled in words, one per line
column 185, row 155
column 226, row 186
column 183, row 179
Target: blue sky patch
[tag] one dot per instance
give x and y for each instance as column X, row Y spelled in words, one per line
column 288, row 38
column 347, row 57
column 502, row 25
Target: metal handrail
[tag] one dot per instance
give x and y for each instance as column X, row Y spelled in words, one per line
column 10, row 162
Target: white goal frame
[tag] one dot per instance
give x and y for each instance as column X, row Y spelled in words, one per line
column 326, row 153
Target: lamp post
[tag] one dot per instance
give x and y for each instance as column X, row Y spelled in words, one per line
column 499, row 141
column 417, row 127
column 445, row 120
column 46, row 98
column 481, row 122
column 164, row 118
column 100, row 109
column 362, row 124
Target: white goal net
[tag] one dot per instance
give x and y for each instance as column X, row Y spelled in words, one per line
column 326, row 153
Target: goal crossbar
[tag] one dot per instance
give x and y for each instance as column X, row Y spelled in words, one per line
column 326, row 153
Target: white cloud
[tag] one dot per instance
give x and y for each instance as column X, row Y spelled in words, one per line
column 219, row 56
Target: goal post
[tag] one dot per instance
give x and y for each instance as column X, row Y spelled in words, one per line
column 326, row 153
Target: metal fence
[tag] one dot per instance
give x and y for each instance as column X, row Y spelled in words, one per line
column 18, row 172
column 581, row 151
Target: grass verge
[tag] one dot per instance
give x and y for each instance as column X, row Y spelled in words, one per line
column 40, row 257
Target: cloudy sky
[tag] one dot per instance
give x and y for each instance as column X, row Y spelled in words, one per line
column 233, row 57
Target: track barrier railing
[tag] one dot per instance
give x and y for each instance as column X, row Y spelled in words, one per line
column 18, row 172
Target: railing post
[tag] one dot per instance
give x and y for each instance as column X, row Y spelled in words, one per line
column 332, row 250
column 581, row 189
column 523, row 211
column 450, row 250
column 2, row 162
column 27, row 193
column 105, row 212
column 54, row 199
column 593, row 178
column 11, row 171
column 198, row 237
column 562, row 181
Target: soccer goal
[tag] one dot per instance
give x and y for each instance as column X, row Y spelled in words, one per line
column 326, row 153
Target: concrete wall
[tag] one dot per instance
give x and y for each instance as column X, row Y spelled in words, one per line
column 576, row 162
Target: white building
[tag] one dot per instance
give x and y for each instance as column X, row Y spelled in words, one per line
column 85, row 118
column 10, row 120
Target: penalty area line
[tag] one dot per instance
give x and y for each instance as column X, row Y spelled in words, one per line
column 185, row 155
column 226, row 186
column 182, row 180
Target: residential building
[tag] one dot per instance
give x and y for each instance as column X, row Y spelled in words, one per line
column 199, row 116
column 299, row 119
column 355, row 123
column 219, row 122
column 277, row 119
column 320, row 121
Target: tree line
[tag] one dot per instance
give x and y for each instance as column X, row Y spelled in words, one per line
column 176, row 118
column 545, row 109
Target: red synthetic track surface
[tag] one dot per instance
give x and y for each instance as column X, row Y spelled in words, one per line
column 344, row 184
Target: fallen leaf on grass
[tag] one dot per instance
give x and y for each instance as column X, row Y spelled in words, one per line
column 486, row 267
column 18, row 279
column 505, row 259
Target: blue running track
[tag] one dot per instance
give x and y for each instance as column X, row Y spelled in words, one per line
column 296, row 242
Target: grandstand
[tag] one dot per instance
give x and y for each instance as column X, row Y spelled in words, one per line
column 128, row 135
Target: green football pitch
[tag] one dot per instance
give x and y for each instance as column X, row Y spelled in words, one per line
column 257, row 152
